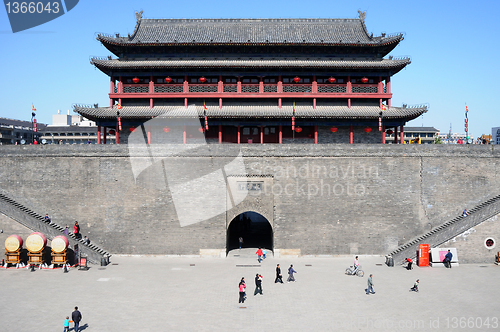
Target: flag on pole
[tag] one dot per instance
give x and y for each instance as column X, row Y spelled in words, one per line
column 205, row 106
column 466, row 108
column 382, row 107
column 33, row 108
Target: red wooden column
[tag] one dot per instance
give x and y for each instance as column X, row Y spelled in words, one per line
column 280, row 90
column 184, row 140
column 120, row 85
column 261, row 134
column 383, row 134
column 151, row 90
column 220, row 85
column 220, row 134
column 316, row 134
column 396, row 135
column 351, row 135
column 239, row 134
column 349, row 90
column 149, row 135
column 388, row 89
column 98, row 134
column 238, row 85
column 261, row 85
column 104, row 135
column 281, row 135
column 402, row 135
column 111, row 90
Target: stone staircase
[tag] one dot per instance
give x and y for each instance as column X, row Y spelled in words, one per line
column 448, row 230
column 36, row 223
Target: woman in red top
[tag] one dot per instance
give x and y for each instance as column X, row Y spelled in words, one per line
column 77, row 230
column 242, row 287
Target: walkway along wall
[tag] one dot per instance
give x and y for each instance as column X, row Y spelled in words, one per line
column 326, row 199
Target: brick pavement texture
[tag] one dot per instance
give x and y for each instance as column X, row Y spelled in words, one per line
column 148, row 293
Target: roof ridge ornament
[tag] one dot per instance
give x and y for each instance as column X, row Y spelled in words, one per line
column 362, row 15
column 138, row 16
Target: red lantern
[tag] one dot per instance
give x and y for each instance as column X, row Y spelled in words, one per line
column 132, row 129
column 296, row 79
column 390, row 132
column 168, row 80
column 201, row 129
column 112, row 132
column 136, row 80
column 334, row 129
column 331, row 80
column 368, row 129
column 166, row 129
column 202, row 79
column 364, row 80
column 298, row 130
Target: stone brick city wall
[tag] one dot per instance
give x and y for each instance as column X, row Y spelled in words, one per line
column 327, row 198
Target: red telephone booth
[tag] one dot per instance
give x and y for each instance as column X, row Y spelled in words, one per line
column 423, row 255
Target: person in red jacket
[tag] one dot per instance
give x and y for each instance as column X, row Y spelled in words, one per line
column 259, row 254
column 76, row 228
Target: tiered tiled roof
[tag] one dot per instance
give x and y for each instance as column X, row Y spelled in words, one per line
column 252, row 31
column 394, row 65
column 253, row 111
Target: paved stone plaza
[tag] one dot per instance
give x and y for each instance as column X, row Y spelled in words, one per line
column 170, row 294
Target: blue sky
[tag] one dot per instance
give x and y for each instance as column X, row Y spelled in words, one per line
column 454, row 47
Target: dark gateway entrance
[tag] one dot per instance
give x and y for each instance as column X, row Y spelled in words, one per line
column 255, row 230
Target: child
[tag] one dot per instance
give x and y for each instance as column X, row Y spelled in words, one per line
column 415, row 286
column 66, row 324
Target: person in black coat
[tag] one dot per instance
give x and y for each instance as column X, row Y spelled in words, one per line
column 279, row 277
column 258, row 284
column 76, row 316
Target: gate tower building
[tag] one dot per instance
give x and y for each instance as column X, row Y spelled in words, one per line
column 253, row 81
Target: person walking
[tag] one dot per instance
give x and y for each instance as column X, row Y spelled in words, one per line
column 76, row 229
column 447, row 259
column 259, row 254
column 370, row 285
column 240, row 240
column 258, row 284
column 47, row 219
column 66, row 231
column 279, row 277
column 66, row 324
column 264, row 253
column 291, row 271
column 76, row 316
column 242, row 287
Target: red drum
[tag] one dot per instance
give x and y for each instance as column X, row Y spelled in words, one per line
column 36, row 242
column 13, row 243
column 59, row 244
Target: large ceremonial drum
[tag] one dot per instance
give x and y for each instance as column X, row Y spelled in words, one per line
column 59, row 244
column 36, row 242
column 13, row 243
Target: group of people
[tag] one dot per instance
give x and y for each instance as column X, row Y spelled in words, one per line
column 76, row 317
column 258, row 282
column 261, row 254
column 76, row 230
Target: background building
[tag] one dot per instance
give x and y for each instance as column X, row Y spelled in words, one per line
column 71, row 129
column 495, row 134
column 427, row 135
column 18, row 131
